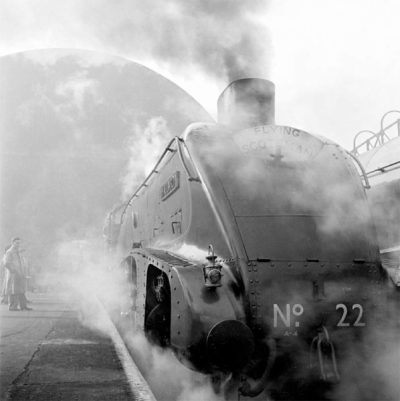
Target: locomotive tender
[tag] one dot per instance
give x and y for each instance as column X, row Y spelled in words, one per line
column 250, row 249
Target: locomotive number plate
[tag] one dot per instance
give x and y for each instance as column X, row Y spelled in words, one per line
column 289, row 316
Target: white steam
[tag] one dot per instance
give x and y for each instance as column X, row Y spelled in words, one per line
column 84, row 275
column 221, row 39
column 145, row 147
column 169, row 379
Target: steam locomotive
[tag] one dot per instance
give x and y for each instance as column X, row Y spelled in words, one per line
column 251, row 251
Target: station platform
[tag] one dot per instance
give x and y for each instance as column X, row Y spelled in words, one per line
column 47, row 354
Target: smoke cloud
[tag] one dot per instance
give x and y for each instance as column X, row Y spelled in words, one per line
column 370, row 369
column 145, row 147
column 91, row 279
column 221, row 40
column 87, row 275
column 262, row 176
column 70, row 121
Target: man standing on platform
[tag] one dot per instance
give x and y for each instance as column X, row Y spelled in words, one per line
column 16, row 285
column 4, row 279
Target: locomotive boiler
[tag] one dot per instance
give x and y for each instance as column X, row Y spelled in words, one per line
column 251, row 252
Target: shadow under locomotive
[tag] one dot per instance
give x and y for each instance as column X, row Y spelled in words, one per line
column 250, row 251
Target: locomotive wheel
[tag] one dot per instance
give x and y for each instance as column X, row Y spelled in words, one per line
column 156, row 325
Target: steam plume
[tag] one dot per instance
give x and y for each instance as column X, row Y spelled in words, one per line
column 223, row 38
column 144, row 147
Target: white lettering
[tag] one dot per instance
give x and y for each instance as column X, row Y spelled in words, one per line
column 296, row 310
column 285, row 320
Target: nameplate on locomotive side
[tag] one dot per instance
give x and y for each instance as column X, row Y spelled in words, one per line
column 171, row 186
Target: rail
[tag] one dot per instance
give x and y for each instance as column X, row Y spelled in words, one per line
column 191, row 178
column 377, row 138
column 154, row 171
column 387, row 167
column 363, row 172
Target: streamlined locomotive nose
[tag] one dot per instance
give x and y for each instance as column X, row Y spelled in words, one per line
column 230, row 345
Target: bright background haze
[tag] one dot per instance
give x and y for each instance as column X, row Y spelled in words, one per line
column 78, row 130
column 70, row 119
column 335, row 62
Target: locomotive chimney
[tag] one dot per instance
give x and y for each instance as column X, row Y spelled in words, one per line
column 247, row 103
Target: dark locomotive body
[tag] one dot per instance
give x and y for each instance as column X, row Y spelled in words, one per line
column 251, row 251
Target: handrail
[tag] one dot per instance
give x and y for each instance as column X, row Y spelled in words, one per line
column 355, row 148
column 191, row 178
column 377, row 138
column 168, row 148
column 382, row 169
column 383, row 117
column 364, row 174
column 146, row 180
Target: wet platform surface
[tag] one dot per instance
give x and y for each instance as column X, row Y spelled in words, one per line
column 47, row 354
